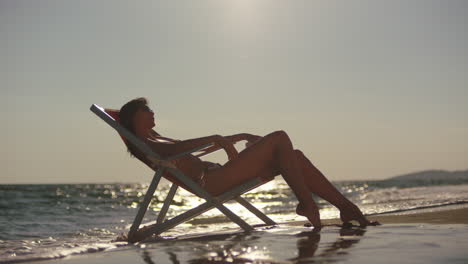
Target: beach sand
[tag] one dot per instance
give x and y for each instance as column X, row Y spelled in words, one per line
column 430, row 236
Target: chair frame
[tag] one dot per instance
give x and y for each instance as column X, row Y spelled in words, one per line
column 166, row 165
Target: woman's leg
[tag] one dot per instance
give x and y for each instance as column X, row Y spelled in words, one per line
column 319, row 184
column 272, row 153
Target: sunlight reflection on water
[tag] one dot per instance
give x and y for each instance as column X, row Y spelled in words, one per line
column 52, row 220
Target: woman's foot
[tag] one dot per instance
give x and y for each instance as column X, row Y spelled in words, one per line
column 312, row 213
column 352, row 212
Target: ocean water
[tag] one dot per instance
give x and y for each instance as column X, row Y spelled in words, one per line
column 44, row 222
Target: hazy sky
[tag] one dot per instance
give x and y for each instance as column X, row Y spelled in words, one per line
column 366, row 89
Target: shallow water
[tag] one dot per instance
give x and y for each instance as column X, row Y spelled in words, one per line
column 53, row 221
column 396, row 243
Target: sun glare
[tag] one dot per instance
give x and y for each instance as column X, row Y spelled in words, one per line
column 243, row 14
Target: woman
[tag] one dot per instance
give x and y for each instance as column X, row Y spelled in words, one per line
column 264, row 157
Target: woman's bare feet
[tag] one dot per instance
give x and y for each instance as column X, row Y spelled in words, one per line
column 352, row 212
column 311, row 212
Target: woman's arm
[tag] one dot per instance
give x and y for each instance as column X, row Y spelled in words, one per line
column 186, row 145
column 251, row 139
column 233, row 139
column 243, row 136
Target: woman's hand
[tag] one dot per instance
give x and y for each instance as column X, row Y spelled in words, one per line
column 227, row 145
column 251, row 139
column 243, row 136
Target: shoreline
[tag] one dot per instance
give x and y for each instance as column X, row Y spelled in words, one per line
column 440, row 215
column 444, row 215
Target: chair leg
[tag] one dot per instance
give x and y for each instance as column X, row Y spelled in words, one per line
column 236, row 219
column 157, row 229
column 208, row 197
column 167, row 203
column 255, row 211
column 145, row 203
column 168, row 224
column 160, row 228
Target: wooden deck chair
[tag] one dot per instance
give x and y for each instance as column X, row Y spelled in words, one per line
column 164, row 167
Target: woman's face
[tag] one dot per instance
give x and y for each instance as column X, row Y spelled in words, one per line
column 144, row 118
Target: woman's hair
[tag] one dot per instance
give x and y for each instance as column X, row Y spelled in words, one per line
column 126, row 115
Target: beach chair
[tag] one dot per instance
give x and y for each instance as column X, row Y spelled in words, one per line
column 166, row 168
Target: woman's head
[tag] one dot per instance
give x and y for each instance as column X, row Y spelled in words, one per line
column 138, row 118
column 136, row 115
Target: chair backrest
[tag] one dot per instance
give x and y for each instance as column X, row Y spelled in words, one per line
column 115, row 115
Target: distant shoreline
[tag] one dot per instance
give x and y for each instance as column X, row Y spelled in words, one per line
column 433, row 175
column 413, row 176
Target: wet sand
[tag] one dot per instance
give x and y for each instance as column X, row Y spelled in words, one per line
column 439, row 236
column 454, row 216
column 450, row 216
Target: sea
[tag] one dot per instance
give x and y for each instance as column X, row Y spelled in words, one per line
column 53, row 221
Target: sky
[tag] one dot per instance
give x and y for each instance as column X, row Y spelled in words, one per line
column 366, row 89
